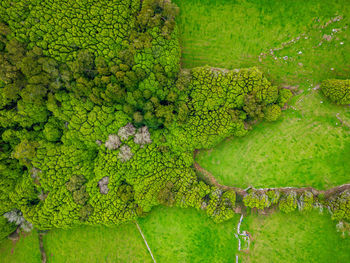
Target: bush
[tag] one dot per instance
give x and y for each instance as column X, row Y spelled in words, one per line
column 289, row 202
column 338, row 91
column 272, row 112
column 256, row 199
column 6, row 228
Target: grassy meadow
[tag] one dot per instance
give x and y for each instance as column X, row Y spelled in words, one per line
column 296, row 237
column 25, row 250
column 188, row 235
column 233, row 33
column 173, row 234
column 307, row 146
column 96, row 244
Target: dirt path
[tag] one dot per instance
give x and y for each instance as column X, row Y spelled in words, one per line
column 41, row 246
column 144, row 239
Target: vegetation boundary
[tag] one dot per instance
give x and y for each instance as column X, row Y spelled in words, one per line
column 210, row 178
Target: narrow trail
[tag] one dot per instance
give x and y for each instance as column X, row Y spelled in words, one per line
column 238, row 234
column 144, row 239
column 41, row 247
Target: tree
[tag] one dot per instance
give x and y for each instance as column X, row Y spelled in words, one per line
column 338, row 91
column 272, row 112
column 113, row 142
column 6, row 228
column 75, row 182
column 166, row 196
column 142, row 136
column 125, row 153
column 103, row 185
column 126, row 131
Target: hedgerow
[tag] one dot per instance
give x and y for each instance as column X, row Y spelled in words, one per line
column 98, row 122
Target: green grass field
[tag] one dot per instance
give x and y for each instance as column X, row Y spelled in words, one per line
column 289, row 238
column 96, row 244
column 25, row 250
column 308, row 146
column 187, row 235
column 232, row 34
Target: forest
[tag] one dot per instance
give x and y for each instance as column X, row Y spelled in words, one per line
column 99, row 121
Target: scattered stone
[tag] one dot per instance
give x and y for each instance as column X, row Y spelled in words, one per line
column 285, row 57
column 300, row 64
column 341, row 43
column 98, row 142
column 103, row 185
column 300, row 52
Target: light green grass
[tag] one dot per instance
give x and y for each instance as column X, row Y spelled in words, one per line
column 25, row 250
column 232, row 34
column 186, row 235
column 308, row 146
column 96, row 245
column 289, row 238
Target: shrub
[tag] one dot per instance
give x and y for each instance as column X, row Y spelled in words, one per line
column 338, row 91
column 6, row 228
column 340, row 206
column 272, row 112
column 256, row 199
column 289, row 202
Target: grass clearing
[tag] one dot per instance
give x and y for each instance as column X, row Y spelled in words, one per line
column 25, row 250
column 295, row 237
column 232, row 34
column 188, row 235
column 96, row 244
column 308, row 146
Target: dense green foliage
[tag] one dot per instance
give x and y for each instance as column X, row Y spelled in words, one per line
column 337, row 90
column 99, row 123
column 340, row 206
column 6, row 228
